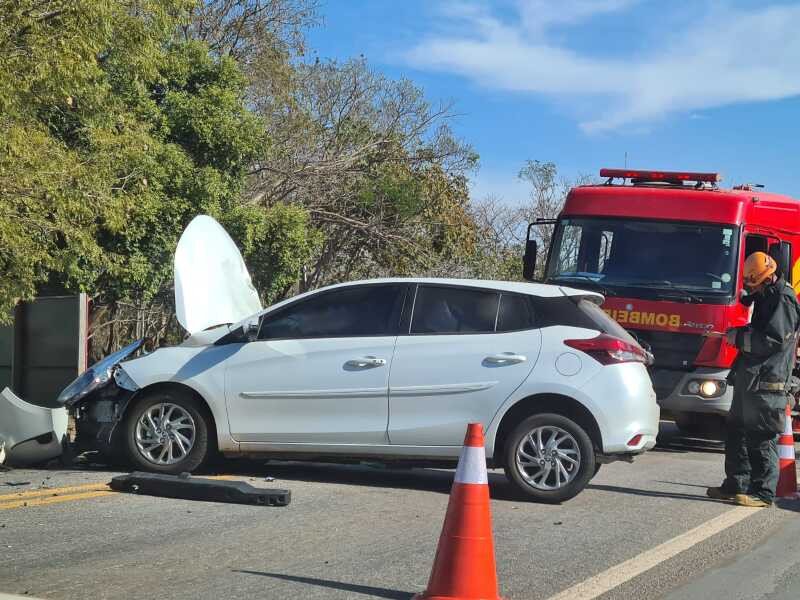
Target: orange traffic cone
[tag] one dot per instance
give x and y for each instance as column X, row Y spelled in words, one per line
column 464, row 567
column 787, row 479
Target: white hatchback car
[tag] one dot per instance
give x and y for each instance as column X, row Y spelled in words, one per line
column 393, row 370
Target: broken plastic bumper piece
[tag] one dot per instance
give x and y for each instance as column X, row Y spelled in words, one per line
column 197, row 488
column 30, row 434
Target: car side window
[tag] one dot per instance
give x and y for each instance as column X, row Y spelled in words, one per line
column 443, row 310
column 516, row 313
column 361, row 311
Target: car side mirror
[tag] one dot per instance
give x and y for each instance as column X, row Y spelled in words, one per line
column 251, row 329
column 529, row 260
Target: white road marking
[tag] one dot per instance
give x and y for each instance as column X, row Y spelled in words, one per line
column 625, row 571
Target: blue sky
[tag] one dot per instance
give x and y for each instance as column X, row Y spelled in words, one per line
column 706, row 85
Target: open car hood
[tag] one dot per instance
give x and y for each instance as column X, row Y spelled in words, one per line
column 212, row 284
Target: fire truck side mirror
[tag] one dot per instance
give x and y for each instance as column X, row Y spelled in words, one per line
column 529, row 260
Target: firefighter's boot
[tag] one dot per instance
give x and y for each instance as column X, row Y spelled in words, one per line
column 750, row 501
column 718, row 493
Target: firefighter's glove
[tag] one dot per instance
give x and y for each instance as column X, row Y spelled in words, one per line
column 747, row 299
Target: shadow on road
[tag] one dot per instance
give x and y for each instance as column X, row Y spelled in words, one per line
column 335, row 585
column 439, row 480
column 418, row 479
column 788, row 504
column 671, row 439
column 650, row 493
column 682, row 484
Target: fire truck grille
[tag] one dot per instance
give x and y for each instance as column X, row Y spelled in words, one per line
column 671, row 350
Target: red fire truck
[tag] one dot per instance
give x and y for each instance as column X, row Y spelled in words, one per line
column 666, row 249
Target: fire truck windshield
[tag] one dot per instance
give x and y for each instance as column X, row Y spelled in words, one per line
column 674, row 260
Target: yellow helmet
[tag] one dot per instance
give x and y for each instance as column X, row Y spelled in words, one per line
column 758, row 267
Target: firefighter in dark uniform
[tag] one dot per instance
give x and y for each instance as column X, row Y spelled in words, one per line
column 760, row 378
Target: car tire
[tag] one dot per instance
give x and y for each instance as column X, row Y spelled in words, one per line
column 547, row 483
column 184, row 428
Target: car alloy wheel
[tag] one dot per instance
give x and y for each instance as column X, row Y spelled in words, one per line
column 165, row 433
column 548, row 458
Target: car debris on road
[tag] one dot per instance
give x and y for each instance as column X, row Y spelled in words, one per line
column 197, row 488
column 30, row 434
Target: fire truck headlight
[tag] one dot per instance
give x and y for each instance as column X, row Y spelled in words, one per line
column 709, row 388
column 706, row 388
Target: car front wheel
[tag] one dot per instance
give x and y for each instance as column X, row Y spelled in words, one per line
column 165, row 432
column 550, row 458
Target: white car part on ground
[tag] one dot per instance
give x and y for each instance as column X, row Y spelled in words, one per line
column 212, row 284
column 24, row 429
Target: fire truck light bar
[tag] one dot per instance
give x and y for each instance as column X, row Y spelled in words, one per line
column 660, row 175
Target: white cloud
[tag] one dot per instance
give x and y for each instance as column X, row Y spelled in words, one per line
column 537, row 14
column 503, row 184
column 726, row 56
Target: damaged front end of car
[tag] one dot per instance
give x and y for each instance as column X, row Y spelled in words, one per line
column 97, row 400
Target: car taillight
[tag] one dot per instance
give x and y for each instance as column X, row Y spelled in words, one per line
column 609, row 350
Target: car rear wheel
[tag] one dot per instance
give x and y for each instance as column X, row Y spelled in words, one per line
column 166, row 432
column 550, row 458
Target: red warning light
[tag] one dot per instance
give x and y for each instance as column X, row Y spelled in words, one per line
column 660, row 175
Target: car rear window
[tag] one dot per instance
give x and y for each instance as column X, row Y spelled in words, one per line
column 577, row 311
column 516, row 313
column 603, row 322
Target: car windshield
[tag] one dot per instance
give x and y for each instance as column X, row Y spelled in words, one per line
column 683, row 259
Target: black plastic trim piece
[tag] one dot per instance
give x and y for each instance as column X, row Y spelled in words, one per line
column 191, row 488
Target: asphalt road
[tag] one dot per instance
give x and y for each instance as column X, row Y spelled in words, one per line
column 639, row 531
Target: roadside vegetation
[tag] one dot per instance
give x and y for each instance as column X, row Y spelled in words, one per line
column 122, row 120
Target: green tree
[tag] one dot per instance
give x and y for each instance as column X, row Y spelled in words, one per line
column 60, row 130
column 202, row 141
column 375, row 165
column 123, row 120
column 115, row 131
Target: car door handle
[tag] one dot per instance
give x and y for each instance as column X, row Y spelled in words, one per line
column 506, row 358
column 365, row 362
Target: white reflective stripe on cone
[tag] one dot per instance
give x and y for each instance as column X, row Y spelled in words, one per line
column 787, row 429
column 472, row 465
column 786, row 452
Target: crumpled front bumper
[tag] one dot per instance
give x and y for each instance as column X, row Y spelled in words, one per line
column 30, row 434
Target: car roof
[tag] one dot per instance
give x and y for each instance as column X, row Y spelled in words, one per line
column 520, row 287
column 542, row 290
